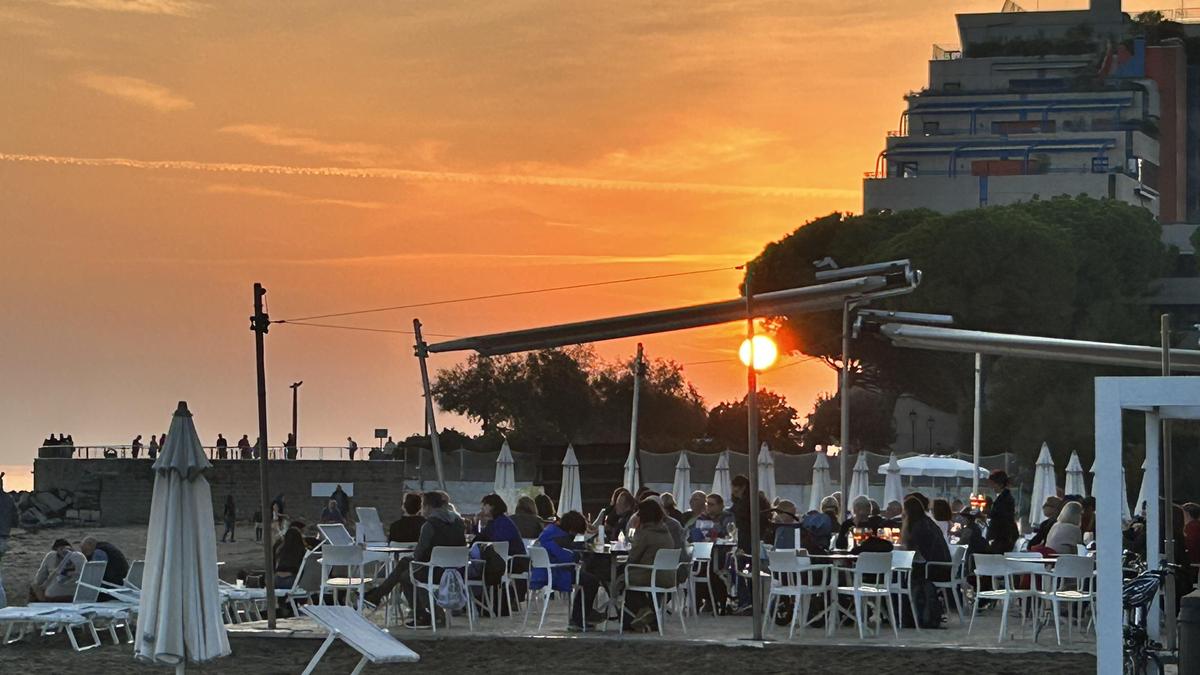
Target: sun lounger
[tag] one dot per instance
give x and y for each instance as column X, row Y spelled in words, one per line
column 375, row 644
column 113, row 615
column 48, row 621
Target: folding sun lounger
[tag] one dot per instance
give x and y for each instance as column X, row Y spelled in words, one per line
column 375, row 644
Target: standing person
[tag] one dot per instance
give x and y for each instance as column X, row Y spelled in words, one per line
column 222, row 447
column 152, row 451
column 8, row 518
column 229, row 515
column 1191, row 530
column 58, row 574
column 135, row 448
column 117, row 566
column 389, row 449
column 244, row 450
column 343, row 500
column 259, row 447
column 289, row 447
column 351, row 447
column 162, row 442
column 1002, row 532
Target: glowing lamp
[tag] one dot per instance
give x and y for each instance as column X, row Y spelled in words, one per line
column 764, row 350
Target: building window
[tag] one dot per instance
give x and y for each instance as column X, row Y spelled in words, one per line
column 908, row 169
column 1100, row 164
column 952, row 86
column 931, row 128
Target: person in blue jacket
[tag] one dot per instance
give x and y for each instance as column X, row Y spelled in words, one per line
column 557, row 539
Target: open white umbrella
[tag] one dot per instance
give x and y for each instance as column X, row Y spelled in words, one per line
column 682, row 487
column 1044, row 485
column 506, row 476
column 935, row 466
column 570, row 498
column 820, row 482
column 631, row 472
column 1075, row 484
column 860, row 481
column 766, row 473
column 721, row 484
column 893, row 490
column 179, row 617
column 1139, row 507
column 1126, row 515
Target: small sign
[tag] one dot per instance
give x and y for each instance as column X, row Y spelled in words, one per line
column 381, row 433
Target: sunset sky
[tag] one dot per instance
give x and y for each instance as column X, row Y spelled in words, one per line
column 157, row 157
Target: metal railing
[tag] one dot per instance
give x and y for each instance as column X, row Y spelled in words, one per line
column 125, row 451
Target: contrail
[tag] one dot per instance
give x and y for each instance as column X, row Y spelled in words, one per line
column 415, row 176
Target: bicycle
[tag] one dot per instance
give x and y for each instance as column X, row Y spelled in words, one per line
column 1137, row 595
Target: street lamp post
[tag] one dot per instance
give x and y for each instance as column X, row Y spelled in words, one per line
column 929, row 423
column 912, row 427
column 295, row 387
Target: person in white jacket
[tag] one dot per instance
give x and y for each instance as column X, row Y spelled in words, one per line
column 58, row 574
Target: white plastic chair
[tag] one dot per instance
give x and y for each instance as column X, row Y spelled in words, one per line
column 878, row 565
column 442, row 558
column 999, row 572
column 539, row 559
column 501, row 548
column 350, row 557
column 103, row 615
column 666, row 562
column 797, row 578
column 1071, row 582
column 698, row 575
column 511, row 578
column 335, row 534
column 957, row 582
column 370, row 528
column 900, row 581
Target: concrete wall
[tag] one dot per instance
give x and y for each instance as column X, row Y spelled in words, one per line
column 126, row 486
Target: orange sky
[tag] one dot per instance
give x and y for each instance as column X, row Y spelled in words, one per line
column 464, row 148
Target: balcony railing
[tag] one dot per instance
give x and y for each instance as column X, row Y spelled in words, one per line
column 306, row 452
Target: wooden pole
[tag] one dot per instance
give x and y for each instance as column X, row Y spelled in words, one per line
column 435, row 443
column 752, row 473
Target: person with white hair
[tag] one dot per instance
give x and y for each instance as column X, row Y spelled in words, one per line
column 860, row 511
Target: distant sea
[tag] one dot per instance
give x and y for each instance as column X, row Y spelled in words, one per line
column 17, row 477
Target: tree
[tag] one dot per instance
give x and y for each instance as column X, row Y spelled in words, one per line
column 873, row 429
column 727, row 423
column 671, row 411
column 475, row 389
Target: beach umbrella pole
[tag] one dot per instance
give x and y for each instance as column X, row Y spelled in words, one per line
column 260, row 323
column 975, row 442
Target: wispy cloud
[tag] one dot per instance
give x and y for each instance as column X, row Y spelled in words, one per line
column 134, row 90
column 253, row 191
column 491, row 259
column 165, row 7
column 305, row 142
column 415, row 176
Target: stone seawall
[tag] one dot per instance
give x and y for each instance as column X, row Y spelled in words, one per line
column 124, row 487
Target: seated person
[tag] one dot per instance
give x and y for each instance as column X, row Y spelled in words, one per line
column 408, row 527
column 786, row 525
column 1066, row 535
column 117, row 567
column 873, row 542
column 443, row 527
column 289, row 556
column 332, row 515
column 1050, row 510
column 526, row 518
column 558, row 538
column 651, row 536
column 696, row 508
column 58, row 574
column 616, row 516
column 497, row 527
column 714, row 523
column 860, row 511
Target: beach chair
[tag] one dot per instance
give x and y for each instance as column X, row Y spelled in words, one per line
column 110, row 615
column 343, row 623
column 48, row 622
column 335, row 535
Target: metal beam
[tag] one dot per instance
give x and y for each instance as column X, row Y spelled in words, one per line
column 816, row 298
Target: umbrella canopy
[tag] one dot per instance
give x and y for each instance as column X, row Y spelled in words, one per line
column 1044, row 485
column 766, row 473
column 570, row 498
column 721, row 484
column 935, row 466
column 1075, row 484
column 1126, row 515
column 1139, row 507
column 893, row 491
column 180, row 612
column 506, row 476
column 682, row 487
column 631, row 472
column 820, row 482
column 861, row 480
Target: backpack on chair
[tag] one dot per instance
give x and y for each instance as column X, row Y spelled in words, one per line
column 452, row 591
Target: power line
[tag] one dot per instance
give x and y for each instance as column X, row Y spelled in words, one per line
column 361, row 328
column 506, row 295
column 734, row 360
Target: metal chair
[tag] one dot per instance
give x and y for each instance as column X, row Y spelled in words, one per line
column 797, row 578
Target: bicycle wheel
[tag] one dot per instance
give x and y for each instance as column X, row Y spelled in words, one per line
column 1135, row 663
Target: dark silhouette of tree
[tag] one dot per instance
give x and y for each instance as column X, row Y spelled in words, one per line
column 777, row 423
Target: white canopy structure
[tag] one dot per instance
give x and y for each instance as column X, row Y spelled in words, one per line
column 1075, row 483
column 893, row 491
column 821, row 486
column 1044, row 485
column 860, row 481
column 766, row 473
column 179, row 617
column 506, row 476
column 721, row 479
column 935, row 466
column 682, row 487
column 570, row 498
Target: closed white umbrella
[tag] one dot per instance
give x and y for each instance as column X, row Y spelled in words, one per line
column 570, row 498
column 1126, row 515
column 820, row 482
column 860, row 481
column 1075, row 484
column 893, row 490
column 1139, row 507
column 766, row 473
column 1044, row 485
column 179, row 618
column 506, row 475
column 721, row 484
column 682, row 487
column 631, row 472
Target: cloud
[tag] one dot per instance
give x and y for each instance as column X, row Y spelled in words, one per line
column 253, row 191
column 163, row 7
column 133, row 90
column 415, row 176
column 302, row 141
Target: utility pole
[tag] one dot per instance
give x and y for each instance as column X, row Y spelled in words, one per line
column 260, row 323
column 422, row 352
column 844, row 400
column 752, row 473
column 975, row 437
column 295, row 387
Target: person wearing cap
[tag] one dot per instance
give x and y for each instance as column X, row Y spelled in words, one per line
column 1002, row 532
column 1050, row 510
column 58, row 574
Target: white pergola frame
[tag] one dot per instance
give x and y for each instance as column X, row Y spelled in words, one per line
column 1160, row 398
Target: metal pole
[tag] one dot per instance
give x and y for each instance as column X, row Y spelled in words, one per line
column 752, row 473
column 844, row 395
column 638, row 372
column 1168, row 493
column 978, row 414
column 260, row 323
column 295, row 386
column 434, row 442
